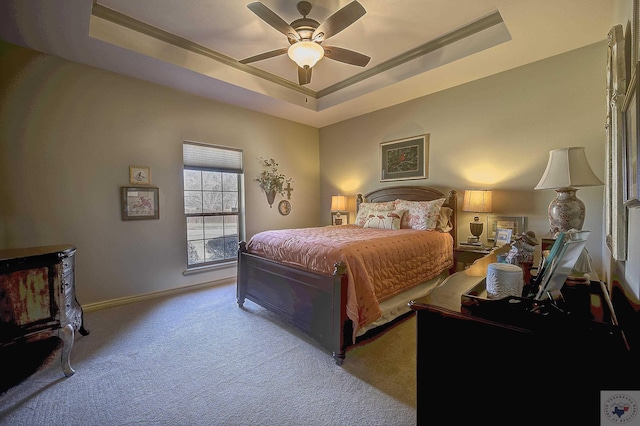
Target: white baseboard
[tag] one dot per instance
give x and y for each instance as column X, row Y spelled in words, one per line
column 140, row 297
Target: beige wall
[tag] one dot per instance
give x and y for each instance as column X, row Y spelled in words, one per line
column 68, row 134
column 492, row 133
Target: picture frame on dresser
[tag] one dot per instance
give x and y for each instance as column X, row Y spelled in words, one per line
column 140, row 203
column 405, row 159
column 503, row 236
column 630, row 152
column 515, row 223
column 339, row 218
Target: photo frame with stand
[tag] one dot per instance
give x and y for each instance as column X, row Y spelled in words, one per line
column 515, row 223
column 503, row 236
column 339, row 218
column 557, row 266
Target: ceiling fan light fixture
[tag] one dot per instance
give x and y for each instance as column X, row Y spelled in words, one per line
column 305, row 53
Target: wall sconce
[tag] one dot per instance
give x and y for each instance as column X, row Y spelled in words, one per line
column 338, row 204
column 567, row 169
column 477, row 201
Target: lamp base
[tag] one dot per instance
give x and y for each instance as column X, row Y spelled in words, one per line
column 476, row 228
column 566, row 211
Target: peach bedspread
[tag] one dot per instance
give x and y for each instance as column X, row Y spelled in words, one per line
column 380, row 262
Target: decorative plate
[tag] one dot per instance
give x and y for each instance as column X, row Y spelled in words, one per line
column 284, row 207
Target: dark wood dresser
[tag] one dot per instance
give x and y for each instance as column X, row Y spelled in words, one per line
column 37, row 297
column 505, row 364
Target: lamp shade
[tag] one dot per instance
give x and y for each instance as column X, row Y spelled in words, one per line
column 567, row 168
column 305, row 53
column 338, row 203
column 477, row 201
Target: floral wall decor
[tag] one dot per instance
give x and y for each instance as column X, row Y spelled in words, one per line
column 272, row 181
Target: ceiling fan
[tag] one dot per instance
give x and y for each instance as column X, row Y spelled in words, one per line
column 305, row 36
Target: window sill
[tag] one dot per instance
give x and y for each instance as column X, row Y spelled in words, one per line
column 210, row 268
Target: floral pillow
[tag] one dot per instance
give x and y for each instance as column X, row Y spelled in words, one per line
column 421, row 215
column 363, row 212
column 444, row 220
column 384, row 219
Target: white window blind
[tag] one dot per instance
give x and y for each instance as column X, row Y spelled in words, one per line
column 220, row 158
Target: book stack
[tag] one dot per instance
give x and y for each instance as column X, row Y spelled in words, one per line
column 465, row 243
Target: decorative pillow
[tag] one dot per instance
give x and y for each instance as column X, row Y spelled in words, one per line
column 444, row 220
column 384, row 219
column 363, row 212
column 421, row 215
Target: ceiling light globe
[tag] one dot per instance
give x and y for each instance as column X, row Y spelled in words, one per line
column 305, row 53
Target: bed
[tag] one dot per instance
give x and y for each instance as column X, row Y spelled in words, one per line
column 319, row 291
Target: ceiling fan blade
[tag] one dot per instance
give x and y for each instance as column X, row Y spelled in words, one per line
column 346, row 56
column 265, row 55
column 304, row 75
column 339, row 21
column 270, row 17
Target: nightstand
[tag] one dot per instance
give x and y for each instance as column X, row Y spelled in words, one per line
column 464, row 256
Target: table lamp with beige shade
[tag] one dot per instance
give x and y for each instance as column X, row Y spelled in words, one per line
column 477, row 201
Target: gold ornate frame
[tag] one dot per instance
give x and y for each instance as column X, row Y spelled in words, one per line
column 615, row 212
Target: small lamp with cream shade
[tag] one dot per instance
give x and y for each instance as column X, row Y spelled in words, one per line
column 338, row 205
column 477, row 201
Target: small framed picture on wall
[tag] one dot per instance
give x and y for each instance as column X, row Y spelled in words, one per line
column 139, row 175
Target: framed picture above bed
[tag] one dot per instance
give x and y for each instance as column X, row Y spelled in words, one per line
column 405, row 159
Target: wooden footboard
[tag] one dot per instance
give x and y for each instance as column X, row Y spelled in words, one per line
column 313, row 302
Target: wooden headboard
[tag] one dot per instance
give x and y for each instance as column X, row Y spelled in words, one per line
column 413, row 193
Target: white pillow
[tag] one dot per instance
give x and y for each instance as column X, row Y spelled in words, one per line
column 384, row 219
column 365, row 208
column 421, row 215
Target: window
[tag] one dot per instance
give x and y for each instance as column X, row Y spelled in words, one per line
column 212, row 200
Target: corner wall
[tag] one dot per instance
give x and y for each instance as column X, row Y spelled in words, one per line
column 493, row 133
column 68, row 134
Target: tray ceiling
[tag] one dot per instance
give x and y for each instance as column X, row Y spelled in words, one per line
column 416, row 47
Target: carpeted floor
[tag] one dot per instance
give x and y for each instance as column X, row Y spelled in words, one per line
column 199, row 359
